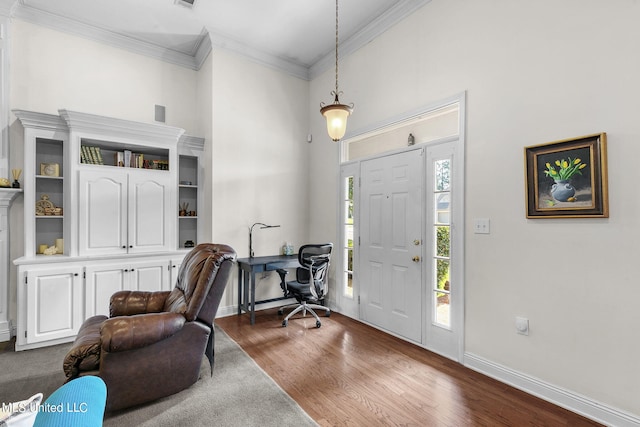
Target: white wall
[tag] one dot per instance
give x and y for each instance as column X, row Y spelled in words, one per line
column 50, row 70
column 260, row 160
column 534, row 72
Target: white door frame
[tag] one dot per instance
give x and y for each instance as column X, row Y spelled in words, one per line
column 349, row 307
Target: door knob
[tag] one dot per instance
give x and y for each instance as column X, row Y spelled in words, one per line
column 416, row 242
column 416, row 258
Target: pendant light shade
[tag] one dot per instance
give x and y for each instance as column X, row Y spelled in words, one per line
column 336, row 114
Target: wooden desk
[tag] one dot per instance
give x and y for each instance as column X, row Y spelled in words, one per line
column 247, row 269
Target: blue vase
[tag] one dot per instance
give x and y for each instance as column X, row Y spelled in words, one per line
column 562, row 191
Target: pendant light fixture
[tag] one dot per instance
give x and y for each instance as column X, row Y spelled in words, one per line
column 336, row 113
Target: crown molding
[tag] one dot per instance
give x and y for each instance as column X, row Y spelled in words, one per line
column 375, row 28
column 191, row 142
column 101, row 125
column 209, row 40
column 70, row 26
column 222, row 42
column 32, row 119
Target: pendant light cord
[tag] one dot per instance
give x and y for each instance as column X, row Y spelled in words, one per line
column 337, row 49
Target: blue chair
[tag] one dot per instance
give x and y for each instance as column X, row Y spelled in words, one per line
column 79, row 402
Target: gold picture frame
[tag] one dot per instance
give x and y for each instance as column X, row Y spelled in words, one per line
column 567, row 178
column 50, row 169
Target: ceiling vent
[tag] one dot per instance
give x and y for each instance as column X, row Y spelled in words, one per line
column 186, row 3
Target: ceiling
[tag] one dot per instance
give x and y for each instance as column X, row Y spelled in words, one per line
column 297, row 36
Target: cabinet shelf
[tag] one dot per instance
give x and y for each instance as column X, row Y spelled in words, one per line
column 49, row 216
column 59, row 178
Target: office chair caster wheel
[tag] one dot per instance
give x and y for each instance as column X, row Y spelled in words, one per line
column 327, row 313
column 280, row 312
column 285, row 323
column 318, row 324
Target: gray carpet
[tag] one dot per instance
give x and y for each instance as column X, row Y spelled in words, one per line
column 240, row 393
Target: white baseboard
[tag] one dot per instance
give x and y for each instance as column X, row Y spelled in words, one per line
column 233, row 309
column 558, row 396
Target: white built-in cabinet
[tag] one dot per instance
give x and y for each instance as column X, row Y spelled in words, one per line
column 118, row 228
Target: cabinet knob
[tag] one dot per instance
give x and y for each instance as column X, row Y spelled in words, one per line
column 133, row 269
column 124, row 247
column 126, row 270
column 130, row 246
column 75, row 274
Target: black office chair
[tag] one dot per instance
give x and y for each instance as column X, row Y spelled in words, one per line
column 314, row 263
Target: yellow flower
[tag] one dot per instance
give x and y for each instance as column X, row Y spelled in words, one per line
column 548, row 165
column 582, row 166
column 565, row 164
column 553, row 172
column 576, row 161
column 557, row 162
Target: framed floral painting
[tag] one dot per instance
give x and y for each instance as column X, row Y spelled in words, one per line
column 568, row 178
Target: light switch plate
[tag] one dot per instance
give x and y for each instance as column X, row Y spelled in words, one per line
column 481, row 226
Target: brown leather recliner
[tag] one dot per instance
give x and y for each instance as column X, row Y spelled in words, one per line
column 152, row 343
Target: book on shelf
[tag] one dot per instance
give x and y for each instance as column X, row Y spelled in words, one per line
column 127, row 158
column 91, row 155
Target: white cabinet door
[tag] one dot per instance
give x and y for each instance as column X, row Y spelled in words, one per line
column 148, row 213
column 102, row 282
column 175, row 268
column 103, row 213
column 54, row 303
column 125, row 212
column 149, row 275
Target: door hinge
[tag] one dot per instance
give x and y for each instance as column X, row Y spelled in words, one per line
column 25, row 334
column 358, row 299
column 358, row 245
column 26, row 279
column 84, row 274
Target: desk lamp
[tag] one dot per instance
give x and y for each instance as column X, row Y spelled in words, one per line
column 251, row 254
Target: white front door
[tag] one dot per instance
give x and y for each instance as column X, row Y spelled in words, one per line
column 391, row 291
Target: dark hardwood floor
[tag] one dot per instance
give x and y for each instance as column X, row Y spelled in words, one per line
column 349, row 374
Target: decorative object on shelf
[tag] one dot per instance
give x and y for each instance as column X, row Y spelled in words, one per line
column 185, row 182
column 411, row 140
column 44, row 206
column 59, row 246
column 184, row 206
column 51, row 250
column 189, row 244
column 263, row 226
column 568, row 178
column 287, row 249
column 16, row 176
column 336, row 113
column 50, row 169
column 192, row 213
column 4, row 182
column 42, row 248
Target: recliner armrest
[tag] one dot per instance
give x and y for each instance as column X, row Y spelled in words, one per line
column 130, row 332
column 127, row 303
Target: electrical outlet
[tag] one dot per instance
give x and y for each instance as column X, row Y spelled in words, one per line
column 481, row 226
column 522, row 325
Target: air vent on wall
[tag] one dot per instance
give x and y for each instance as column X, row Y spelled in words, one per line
column 187, row 3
